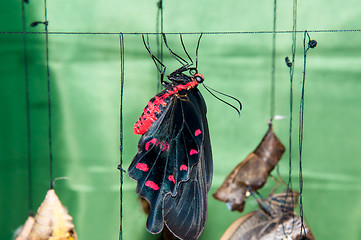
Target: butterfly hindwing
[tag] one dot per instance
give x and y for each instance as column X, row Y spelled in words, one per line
column 185, row 214
column 173, row 166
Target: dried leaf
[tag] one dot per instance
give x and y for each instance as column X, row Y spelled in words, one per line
column 52, row 221
column 251, row 173
column 275, row 220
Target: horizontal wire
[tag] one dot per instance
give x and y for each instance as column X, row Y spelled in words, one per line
column 191, row 33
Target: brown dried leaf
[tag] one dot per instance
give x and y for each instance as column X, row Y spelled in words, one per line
column 251, row 172
column 52, row 221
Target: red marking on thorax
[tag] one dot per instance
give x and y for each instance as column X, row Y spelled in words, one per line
column 148, row 117
column 183, row 167
column 197, row 132
column 193, row 151
column 152, row 185
column 171, row 178
column 142, row 167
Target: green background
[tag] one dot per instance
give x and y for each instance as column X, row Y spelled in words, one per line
column 85, row 93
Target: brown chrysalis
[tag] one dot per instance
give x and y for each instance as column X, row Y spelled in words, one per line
column 52, row 221
column 275, row 220
column 251, row 173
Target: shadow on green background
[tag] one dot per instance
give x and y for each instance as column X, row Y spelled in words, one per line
column 85, row 93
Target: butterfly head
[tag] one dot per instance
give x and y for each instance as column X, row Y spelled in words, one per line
column 185, row 75
column 198, row 77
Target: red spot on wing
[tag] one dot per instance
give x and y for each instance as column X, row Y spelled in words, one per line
column 193, row 151
column 197, row 132
column 171, row 178
column 165, row 146
column 142, row 167
column 152, row 185
column 183, row 167
column 154, row 140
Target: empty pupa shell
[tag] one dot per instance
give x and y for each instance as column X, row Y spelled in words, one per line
column 251, row 173
column 275, row 220
column 52, row 221
column 24, row 232
column 258, row 225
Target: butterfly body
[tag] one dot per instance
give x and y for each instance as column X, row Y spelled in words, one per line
column 173, row 166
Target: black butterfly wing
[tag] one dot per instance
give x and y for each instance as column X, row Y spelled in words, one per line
column 173, row 167
column 207, row 150
column 185, row 214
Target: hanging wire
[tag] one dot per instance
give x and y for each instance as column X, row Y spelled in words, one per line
column 311, row 44
column 189, row 33
column 291, row 66
column 273, row 65
column 26, row 68
column 120, row 167
column 159, row 30
column 286, row 232
column 49, row 92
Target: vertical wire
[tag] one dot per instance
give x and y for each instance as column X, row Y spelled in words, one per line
column 300, row 132
column 49, row 93
column 294, row 34
column 291, row 73
column 159, row 29
column 26, row 68
column 273, row 72
column 273, row 65
column 121, row 40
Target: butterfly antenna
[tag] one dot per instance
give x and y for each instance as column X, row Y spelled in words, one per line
column 199, row 40
column 156, row 61
column 176, row 56
column 185, row 50
column 239, row 102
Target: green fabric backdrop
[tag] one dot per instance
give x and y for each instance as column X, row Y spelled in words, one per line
column 85, row 92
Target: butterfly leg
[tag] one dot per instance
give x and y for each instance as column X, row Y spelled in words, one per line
column 157, row 62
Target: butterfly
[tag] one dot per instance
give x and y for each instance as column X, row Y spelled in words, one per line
column 173, row 166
